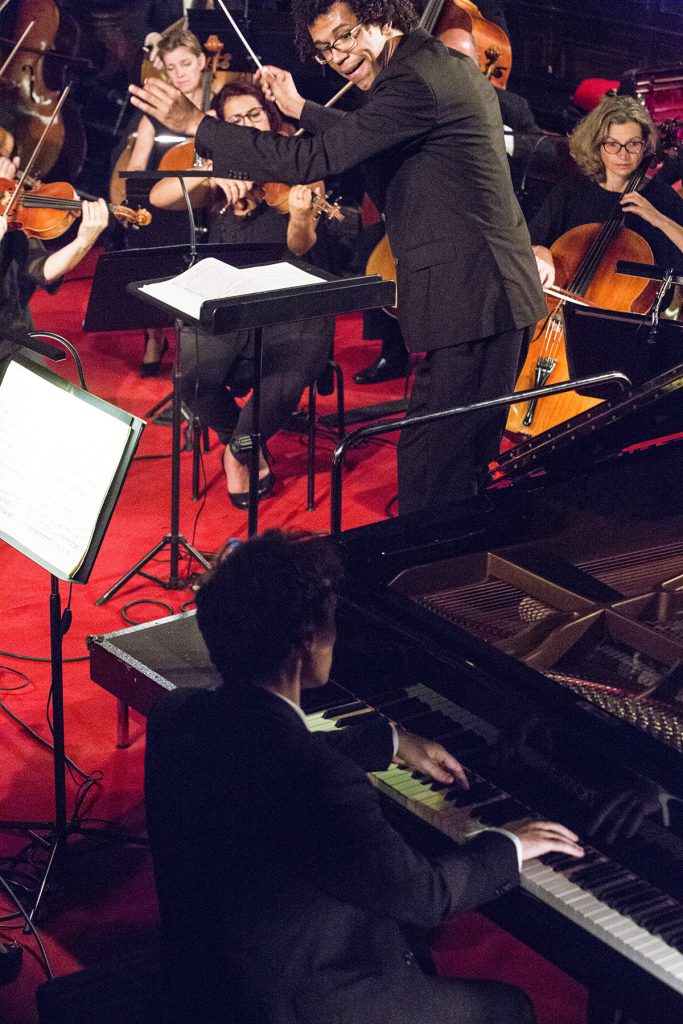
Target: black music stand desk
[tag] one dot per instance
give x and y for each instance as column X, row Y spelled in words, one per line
column 329, row 296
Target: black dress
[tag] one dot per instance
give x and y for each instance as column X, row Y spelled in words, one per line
column 578, row 200
column 216, row 368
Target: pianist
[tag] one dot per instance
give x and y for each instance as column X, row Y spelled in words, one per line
column 283, row 890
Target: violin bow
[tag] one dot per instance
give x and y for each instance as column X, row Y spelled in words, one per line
column 257, row 62
column 17, row 45
column 31, row 160
column 238, row 30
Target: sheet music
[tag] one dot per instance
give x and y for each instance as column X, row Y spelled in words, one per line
column 213, row 279
column 58, row 457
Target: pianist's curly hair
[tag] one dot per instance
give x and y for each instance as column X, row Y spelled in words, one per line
column 263, row 600
column 399, row 13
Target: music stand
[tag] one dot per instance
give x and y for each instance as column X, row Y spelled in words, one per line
column 330, row 296
column 114, row 307
column 56, row 501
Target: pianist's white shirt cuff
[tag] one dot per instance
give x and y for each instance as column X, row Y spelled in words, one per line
column 394, row 739
column 515, row 839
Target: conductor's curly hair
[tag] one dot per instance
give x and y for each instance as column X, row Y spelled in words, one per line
column 398, row 13
column 263, row 600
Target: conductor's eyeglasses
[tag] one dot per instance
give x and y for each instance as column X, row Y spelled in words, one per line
column 251, row 116
column 342, row 44
column 613, row 147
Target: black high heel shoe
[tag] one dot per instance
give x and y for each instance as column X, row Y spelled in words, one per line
column 240, row 499
column 240, row 449
column 152, row 369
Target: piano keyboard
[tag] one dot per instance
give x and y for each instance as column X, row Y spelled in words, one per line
column 609, row 901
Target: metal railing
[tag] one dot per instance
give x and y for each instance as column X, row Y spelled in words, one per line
column 389, row 426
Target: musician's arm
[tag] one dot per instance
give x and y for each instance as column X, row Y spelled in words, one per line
column 637, row 204
column 316, row 118
column 401, row 109
column 142, row 147
column 167, row 194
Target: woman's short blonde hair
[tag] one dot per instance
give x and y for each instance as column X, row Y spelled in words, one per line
column 591, row 132
column 177, row 37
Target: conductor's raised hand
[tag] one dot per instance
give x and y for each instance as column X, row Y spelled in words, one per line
column 430, row 758
column 539, row 837
column 278, row 86
column 167, row 104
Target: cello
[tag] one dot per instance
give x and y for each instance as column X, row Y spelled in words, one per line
column 29, row 95
column 585, row 260
column 441, row 17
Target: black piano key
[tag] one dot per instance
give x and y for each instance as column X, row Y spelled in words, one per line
column 476, row 794
column 631, row 896
column 352, row 721
column 658, row 920
column 613, row 888
column 643, row 910
column 501, row 811
column 400, row 710
column 345, row 708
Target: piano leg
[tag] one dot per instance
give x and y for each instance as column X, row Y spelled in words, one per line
column 122, row 734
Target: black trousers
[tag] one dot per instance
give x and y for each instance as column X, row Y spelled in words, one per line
column 216, row 368
column 448, row 461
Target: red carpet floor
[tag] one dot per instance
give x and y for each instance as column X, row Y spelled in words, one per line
column 106, row 901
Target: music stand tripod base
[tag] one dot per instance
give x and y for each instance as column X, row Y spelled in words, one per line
column 173, row 540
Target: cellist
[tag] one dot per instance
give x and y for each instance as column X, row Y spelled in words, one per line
column 608, row 145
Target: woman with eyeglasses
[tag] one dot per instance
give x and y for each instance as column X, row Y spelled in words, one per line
column 608, row 145
column 218, row 368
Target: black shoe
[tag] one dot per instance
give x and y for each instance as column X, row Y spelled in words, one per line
column 240, row 499
column 381, row 370
column 152, row 369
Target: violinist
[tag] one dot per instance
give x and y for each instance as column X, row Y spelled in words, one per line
column 25, row 263
column 183, row 60
column 608, row 145
column 293, row 354
column 430, row 139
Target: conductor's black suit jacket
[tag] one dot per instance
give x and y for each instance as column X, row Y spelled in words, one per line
column 281, row 885
column 430, row 138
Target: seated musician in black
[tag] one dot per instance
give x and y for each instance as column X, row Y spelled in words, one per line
column 283, row 890
column 25, row 263
column 216, row 368
column 608, row 145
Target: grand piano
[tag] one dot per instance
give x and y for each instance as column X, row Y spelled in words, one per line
column 537, row 631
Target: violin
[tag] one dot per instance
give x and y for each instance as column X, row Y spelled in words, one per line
column 276, row 194
column 48, row 211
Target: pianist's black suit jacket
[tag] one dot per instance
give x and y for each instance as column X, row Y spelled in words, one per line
column 280, row 883
column 430, row 138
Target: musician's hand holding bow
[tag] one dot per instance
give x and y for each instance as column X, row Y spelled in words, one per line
column 167, row 104
column 9, row 168
column 545, row 264
column 429, row 757
column 278, row 87
column 233, row 188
